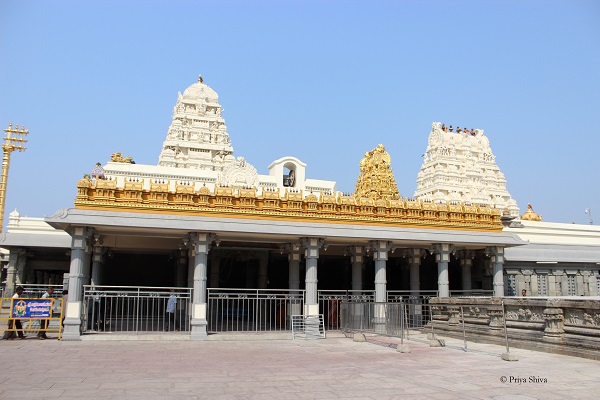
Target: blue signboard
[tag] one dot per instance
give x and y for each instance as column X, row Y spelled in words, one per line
column 31, row 308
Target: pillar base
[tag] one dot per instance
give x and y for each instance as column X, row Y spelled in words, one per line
column 359, row 337
column 509, row 357
column 71, row 330
column 198, row 331
column 403, row 348
column 437, row 343
column 311, row 309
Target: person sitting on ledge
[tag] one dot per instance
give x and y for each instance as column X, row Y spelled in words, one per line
column 444, row 128
column 472, row 132
column 450, row 128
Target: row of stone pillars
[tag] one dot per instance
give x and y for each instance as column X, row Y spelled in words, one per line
column 83, row 240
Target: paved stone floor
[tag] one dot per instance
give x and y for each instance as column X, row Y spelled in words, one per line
column 333, row 368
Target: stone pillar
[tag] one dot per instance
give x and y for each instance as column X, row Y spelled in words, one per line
column 496, row 254
column 496, row 318
column 534, row 284
column 20, row 268
column 311, row 254
column 190, row 267
column 294, row 265
column 556, row 279
column 215, row 269
column 263, row 264
column 357, row 256
column 527, row 282
column 414, row 263
column 554, row 330
column 201, row 243
column 442, row 256
column 357, row 260
column 72, row 323
column 591, row 284
column 579, row 289
column 181, row 267
column 97, row 264
column 294, row 248
column 11, row 273
column 380, row 255
column 466, row 265
column 87, row 262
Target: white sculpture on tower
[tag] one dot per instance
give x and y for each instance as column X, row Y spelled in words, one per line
column 460, row 166
column 197, row 137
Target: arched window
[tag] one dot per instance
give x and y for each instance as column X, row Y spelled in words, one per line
column 289, row 179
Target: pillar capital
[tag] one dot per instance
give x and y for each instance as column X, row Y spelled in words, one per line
column 80, row 238
column 442, row 251
column 311, row 246
column 357, row 253
column 293, row 249
column 202, row 242
column 414, row 254
column 496, row 253
column 466, row 257
column 380, row 249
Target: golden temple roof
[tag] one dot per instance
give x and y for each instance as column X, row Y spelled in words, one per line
column 531, row 215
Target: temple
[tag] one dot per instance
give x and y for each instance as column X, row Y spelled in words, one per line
column 205, row 222
column 461, row 167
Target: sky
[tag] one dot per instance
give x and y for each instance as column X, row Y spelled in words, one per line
column 323, row 81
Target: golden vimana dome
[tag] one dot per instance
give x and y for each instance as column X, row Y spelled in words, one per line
column 376, row 179
column 531, row 215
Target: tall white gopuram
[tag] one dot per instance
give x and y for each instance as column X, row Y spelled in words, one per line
column 197, row 152
column 460, row 166
column 197, row 137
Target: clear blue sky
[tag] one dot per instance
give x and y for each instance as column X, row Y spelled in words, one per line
column 323, row 81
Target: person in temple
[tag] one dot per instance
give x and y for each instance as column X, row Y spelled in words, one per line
column 444, row 128
column 458, row 129
column 450, row 128
column 472, row 132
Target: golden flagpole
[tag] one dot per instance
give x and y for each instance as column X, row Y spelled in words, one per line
column 13, row 140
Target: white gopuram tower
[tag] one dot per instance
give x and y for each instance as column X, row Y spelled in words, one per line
column 460, row 166
column 197, row 137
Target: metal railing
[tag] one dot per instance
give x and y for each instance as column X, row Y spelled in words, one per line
column 252, row 310
column 143, row 309
column 135, row 309
column 308, row 327
column 330, row 302
column 398, row 319
column 471, row 322
column 382, row 318
column 394, row 296
column 36, row 290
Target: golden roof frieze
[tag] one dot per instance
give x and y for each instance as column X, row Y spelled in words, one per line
column 268, row 203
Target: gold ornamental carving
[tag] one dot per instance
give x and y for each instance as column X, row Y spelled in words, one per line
column 531, row 215
column 271, row 204
column 118, row 157
column 376, row 201
column 376, row 179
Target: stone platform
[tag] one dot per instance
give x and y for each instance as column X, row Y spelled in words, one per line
column 240, row 369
